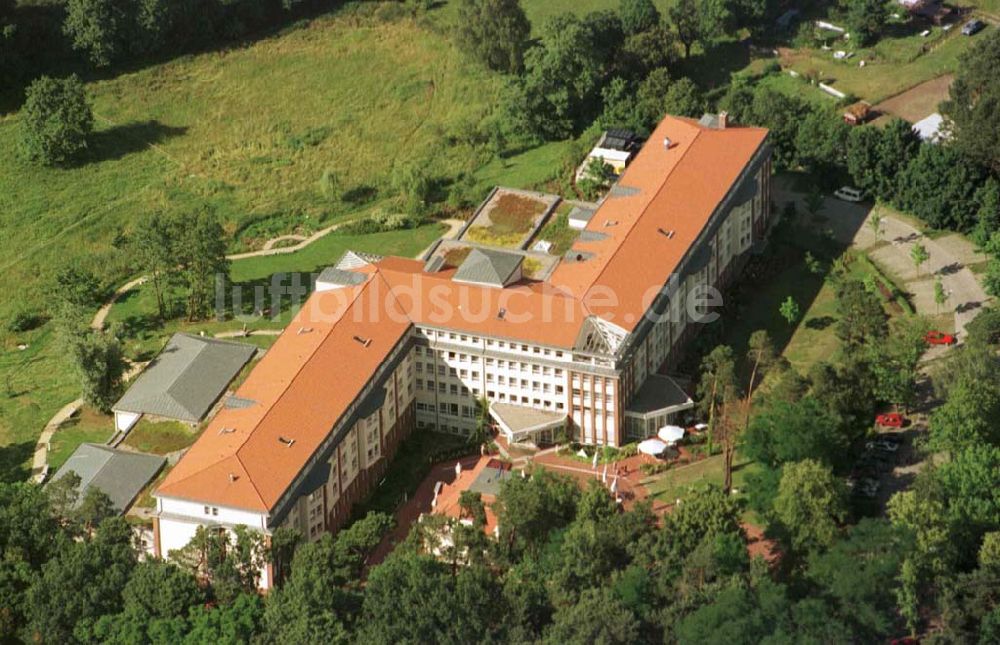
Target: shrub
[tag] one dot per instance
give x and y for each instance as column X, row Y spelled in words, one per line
column 379, row 222
column 23, row 320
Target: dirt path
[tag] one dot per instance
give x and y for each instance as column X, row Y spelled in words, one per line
column 454, row 226
column 271, row 243
column 39, row 460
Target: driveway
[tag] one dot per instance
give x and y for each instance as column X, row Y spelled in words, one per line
column 949, row 257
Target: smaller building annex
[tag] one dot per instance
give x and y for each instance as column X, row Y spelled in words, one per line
column 184, row 381
column 121, row 475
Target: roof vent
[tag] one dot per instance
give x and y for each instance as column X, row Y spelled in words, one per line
column 227, row 430
column 501, row 313
column 305, row 330
column 285, row 440
column 233, row 477
column 364, row 341
column 611, row 222
column 668, row 234
column 667, row 143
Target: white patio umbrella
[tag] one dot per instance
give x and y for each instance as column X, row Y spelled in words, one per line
column 653, row 447
column 671, row 434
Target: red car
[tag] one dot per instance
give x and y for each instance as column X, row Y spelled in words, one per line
column 939, row 338
column 890, row 420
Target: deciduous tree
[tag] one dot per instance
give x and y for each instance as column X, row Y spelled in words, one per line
column 866, row 19
column 99, row 361
column 201, row 257
column 810, row 505
column 790, row 310
column 638, row 15
column 862, row 320
column 495, row 31
column 972, row 109
column 56, row 120
column 152, row 246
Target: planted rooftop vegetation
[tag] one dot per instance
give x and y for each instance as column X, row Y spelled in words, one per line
column 507, row 219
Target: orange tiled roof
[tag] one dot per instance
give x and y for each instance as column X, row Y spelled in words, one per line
column 316, row 369
column 533, row 311
column 301, row 387
column 676, row 189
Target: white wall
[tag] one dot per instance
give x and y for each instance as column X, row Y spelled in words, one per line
column 125, row 420
column 196, row 512
column 176, row 532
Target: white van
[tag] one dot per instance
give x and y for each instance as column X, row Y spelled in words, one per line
column 848, row 194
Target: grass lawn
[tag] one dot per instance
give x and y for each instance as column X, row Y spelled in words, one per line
column 160, row 437
column 144, row 335
column 812, row 339
column 674, row 483
column 894, row 64
column 87, row 425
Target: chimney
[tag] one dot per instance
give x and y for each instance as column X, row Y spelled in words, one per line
column 723, row 120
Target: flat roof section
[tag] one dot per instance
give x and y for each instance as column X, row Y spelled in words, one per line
column 660, row 394
column 519, row 420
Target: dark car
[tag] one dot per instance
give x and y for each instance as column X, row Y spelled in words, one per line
column 973, row 27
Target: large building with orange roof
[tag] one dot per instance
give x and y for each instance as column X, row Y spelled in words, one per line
column 386, row 346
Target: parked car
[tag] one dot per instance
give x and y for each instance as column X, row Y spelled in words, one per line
column 868, row 487
column 890, row 420
column 973, row 27
column 883, row 445
column 939, row 338
column 848, row 194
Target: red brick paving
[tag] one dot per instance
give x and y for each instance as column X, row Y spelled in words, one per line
column 630, row 490
column 407, row 514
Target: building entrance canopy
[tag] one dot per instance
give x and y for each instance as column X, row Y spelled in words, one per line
column 522, row 423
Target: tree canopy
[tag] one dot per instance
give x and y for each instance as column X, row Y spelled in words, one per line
column 494, row 31
column 973, row 107
column 56, row 120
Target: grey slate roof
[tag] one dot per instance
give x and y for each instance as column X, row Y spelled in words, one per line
column 709, row 120
column 592, row 236
column 337, row 276
column 579, row 214
column 621, row 190
column 354, row 259
column 488, row 266
column 119, row 474
column 186, row 378
column 434, row 264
